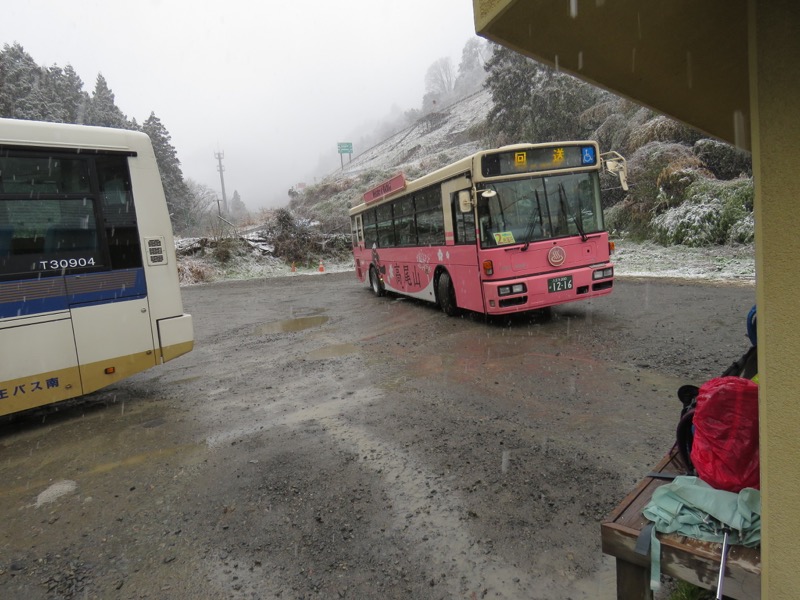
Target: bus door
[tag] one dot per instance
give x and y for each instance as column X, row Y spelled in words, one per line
column 358, row 232
column 461, row 258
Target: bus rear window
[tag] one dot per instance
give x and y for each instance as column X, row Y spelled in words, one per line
column 37, row 175
column 43, row 237
column 64, row 214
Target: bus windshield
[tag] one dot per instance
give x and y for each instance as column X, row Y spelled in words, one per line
column 522, row 211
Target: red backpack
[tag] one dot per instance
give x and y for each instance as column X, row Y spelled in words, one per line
column 724, row 448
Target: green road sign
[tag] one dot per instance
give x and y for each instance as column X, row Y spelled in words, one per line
column 345, row 147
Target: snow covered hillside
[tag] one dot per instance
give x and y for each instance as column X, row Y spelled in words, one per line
column 419, row 145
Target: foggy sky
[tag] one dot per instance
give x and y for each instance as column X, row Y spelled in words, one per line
column 273, row 85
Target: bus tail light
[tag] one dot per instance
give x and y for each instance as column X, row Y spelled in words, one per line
column 488, row 267
column 611, row 247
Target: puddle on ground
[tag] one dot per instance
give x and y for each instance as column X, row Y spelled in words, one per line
column 334, row 351
column 185, row 380
column 291, row 325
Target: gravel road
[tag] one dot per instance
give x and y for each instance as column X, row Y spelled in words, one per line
column 323, row 443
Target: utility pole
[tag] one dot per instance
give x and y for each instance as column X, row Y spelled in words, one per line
column 219, row 156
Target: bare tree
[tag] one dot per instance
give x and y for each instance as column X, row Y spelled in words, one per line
column 439, row 83
column 471, row 69
column 198, row 211
column 440, row 77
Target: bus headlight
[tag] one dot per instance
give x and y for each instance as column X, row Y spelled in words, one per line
column 603, row 273
column 507, row 290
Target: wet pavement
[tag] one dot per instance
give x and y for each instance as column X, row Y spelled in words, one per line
column 321, row 442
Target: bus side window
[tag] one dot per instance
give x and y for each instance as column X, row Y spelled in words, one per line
column 370, row 233
column 463, row 223
column 430, row 217
column 386, row 237
column 404, row 228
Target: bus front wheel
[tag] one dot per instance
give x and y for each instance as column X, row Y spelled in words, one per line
column 446, row 295
column 376, row 283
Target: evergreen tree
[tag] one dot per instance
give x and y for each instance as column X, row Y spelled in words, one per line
column 533, row 102
column 102, row 110
column 20, row 78
column 238, row 209
column 66, row 86
column 28, row 91
column 55, row 107
column 175, row 189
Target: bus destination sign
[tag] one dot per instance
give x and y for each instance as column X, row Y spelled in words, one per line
column 390, row 186
column 530, row 160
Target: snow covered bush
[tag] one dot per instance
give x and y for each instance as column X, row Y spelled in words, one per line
column 690, row 224
column 663, row 129
column 645, row 168
column 714, row 212
column 724, row 160
column 194, row 270
column 742, row 231
column 674, row 182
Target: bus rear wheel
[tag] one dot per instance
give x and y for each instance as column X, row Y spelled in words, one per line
column 375, row 283
column 446, row 295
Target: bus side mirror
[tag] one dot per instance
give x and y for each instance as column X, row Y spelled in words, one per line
column 620, row 171
column 465, row 201
column 615, row 164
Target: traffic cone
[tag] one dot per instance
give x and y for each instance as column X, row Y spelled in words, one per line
column 321, row 267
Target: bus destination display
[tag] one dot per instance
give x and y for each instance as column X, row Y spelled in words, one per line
column 530, row 160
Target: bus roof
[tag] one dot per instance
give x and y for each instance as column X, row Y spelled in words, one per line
column 459, row 168
column 14, row 132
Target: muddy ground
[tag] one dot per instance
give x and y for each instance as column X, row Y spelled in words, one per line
column 323, row 443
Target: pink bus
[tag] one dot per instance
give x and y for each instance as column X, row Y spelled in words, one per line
column 509, row 230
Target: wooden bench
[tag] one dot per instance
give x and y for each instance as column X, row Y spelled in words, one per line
column 684, row 558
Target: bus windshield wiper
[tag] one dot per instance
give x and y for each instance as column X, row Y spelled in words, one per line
column 562, row 196
column 532, row 223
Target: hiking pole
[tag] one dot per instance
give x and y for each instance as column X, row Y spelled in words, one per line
column 722, row 560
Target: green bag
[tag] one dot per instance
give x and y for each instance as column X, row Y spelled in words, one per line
column 689, row 506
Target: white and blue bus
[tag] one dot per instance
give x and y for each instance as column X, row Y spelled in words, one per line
column 89, row 288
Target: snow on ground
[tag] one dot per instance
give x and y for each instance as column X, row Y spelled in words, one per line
column 715, row 263
column 631, row 259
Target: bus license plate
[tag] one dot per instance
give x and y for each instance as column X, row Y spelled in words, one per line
column 559, row 284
